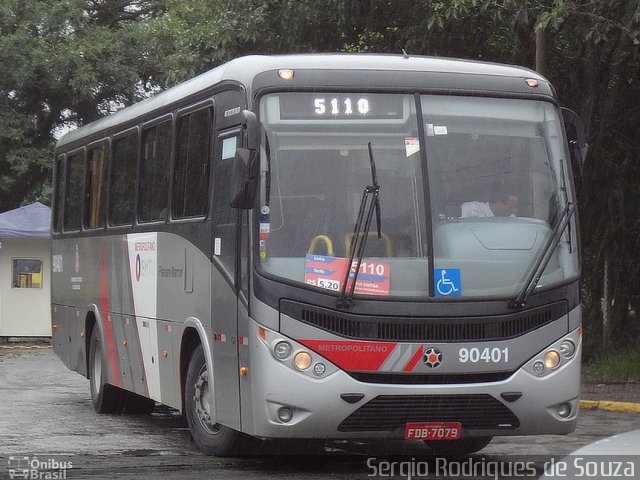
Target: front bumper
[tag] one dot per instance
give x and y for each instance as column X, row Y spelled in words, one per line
column 318, row 411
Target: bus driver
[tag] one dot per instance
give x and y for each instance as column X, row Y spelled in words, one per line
column 502, row 203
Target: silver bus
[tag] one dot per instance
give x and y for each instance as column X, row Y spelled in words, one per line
column 327, row 247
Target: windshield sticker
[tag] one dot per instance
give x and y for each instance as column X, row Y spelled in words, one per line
column 448, row 282
column 411, row 145
column 440, row 130
column 265, row 224
column 328, row 272
column 430, row 130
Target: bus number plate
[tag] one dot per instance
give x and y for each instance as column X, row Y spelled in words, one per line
column 433, row 431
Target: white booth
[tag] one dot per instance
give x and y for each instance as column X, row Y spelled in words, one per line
column 25, row 272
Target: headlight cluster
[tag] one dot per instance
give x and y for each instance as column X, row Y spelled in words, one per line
column 302, row 359
column 553, row 358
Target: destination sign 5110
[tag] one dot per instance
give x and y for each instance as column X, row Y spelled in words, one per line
column 308, row 106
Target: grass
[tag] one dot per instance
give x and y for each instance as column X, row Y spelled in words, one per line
column 617, row 367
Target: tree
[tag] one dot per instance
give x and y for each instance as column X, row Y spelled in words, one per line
column 64, row 63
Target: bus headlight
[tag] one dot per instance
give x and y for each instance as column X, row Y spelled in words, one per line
column 302, row 360
column 282, row 350
column 551, row 359
column 567, row 349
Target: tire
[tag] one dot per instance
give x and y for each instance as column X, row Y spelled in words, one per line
column 104, row 397
column 211, row 439
column 463, row 446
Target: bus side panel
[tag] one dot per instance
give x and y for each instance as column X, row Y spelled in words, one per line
column 183, row 282
column 225, row 350
column 145, row 286
column 95, row 271
column 62, row 326
column 169, row 365
column 244, row 356
column 128, row 344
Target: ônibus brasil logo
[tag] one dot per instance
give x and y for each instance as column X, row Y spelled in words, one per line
column 432, row 357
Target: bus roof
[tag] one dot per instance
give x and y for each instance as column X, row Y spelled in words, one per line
column 244, row 69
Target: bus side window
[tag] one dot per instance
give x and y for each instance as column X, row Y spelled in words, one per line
column 74, row 193
column 59, row 194
column 191, row 171
column 123, row 180
column 224, row 217
column 96, row 181
column 154, row 172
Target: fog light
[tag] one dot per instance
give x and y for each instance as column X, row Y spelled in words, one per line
column 319, row 369
column 282, row 350
column 538, row 368
column 564, row 410
column 285, row 414
column 302, row 360
column 567, row 349
column 551, row 359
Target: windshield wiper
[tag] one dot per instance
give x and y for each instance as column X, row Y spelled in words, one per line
column 561, row 224
column 359, row 240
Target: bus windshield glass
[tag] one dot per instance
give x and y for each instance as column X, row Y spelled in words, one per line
column 470, row 188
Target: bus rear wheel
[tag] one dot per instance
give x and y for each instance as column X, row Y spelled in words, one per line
column 211, row 438
column 104, row 397
column 462, row 446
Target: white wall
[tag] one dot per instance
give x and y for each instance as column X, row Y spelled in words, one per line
column 25, row 312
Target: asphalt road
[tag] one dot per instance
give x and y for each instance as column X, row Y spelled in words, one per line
column 47, row 422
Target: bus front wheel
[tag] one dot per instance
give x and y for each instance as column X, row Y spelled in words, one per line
column 211, row 438
column 462, row 446
column 104, row 397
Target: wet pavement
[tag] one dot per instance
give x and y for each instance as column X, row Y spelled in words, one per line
column 47, row 421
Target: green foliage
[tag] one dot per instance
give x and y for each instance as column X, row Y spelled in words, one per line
column 619, row 367
column 64, row 62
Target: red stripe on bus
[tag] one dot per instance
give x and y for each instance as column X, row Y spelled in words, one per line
column 352, row 355
column 110, row 345
column 414, row 360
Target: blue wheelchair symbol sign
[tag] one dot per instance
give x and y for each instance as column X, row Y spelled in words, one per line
column 447, row 282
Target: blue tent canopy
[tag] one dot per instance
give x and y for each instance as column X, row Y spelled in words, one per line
column 26, row 222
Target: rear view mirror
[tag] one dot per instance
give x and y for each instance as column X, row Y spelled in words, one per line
column 578, row 147
column 244, row 180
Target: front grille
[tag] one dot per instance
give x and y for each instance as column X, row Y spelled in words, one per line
column 428, row 379
column 389, row 412
column 423, row 329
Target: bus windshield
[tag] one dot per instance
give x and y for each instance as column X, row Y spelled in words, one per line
column 470, row 188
